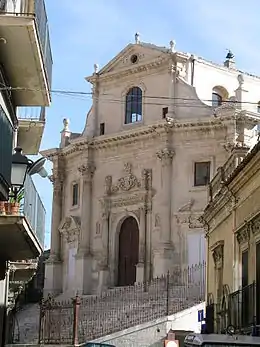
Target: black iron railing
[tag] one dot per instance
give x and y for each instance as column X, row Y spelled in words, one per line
column 84, row 319
column 37, row 9
column 6, row 147
column 242, row 307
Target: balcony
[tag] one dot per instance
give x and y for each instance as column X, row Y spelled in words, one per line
column 242, row 308
column 6, row 148
column 31, row 128
column 25, row 50
column 224, row 172
column 22, row 227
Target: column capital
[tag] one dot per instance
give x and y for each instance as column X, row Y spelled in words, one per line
column 87, row 170
column 165, row 155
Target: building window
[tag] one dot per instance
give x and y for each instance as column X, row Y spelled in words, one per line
column 245, row 268
column 258, row 107
column 216, row 99
column 133, row 108
column 164, row 112
column 102, row 129
column 201, row 173
column 75, row 194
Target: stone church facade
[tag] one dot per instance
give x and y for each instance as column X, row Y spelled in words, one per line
column 129, row 190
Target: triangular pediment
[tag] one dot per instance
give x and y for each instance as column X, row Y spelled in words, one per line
column 70, row 223
column 144, row 52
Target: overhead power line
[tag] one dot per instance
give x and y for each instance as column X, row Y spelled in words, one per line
column 104, row 97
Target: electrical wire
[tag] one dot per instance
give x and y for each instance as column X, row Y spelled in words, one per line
column 104, row 97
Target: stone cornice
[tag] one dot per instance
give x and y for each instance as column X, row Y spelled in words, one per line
column 50, row 153
column 130, row 136
column 130, row 70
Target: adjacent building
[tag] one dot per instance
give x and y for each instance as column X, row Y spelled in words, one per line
column 129, row 190
column 25, row 78
column 233, row 250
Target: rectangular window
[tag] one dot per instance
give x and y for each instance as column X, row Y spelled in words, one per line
column 102, row 129
column 164, row 112
column 75, row 194
column 245, row 269
column 202, row 173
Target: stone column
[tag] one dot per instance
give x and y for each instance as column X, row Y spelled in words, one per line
column 84, row 257
column 165, row 156
column 140, row 267
column 163, row 256
column 53, row 268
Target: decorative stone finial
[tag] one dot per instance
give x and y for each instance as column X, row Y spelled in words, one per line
column 240, row 79
column 96, row 68
column 137, row 38
column 172, row 45
column 66, row 123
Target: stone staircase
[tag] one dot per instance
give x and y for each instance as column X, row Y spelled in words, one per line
column 111, row 311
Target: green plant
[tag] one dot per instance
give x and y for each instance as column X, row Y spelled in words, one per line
column 18, row 198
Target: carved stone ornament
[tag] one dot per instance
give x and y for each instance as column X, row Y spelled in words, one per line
column 98, row 229
column 243, row 234
column 87, row 170
column 70, row 228
column 195, row 222
column 127, row 182
column 188, row 206
column 157, row 222
column 218, row 253
column 165, row 155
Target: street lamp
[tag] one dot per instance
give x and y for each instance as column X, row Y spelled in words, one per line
column 20, row 166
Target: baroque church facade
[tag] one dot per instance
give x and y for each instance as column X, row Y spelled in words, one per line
column 128, row 192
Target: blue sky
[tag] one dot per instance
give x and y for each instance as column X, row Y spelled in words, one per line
column 84, row 32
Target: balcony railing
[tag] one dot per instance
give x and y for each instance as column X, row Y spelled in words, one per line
column 33, row 209
column 242, row 307
column 37, row 9
column 31, row 113
column 6, row 148
column 224, row 172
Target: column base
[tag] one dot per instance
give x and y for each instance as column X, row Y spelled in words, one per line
column 53, row 277
column 140, row 273
column 83, row 274
column 163, row 260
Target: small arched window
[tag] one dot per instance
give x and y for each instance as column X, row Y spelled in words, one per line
column 219, row 95
column 133, row 107
column 258, row 107
column 216, row 99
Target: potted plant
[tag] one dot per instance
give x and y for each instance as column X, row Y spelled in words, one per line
column 2, row 207
column 12, row 206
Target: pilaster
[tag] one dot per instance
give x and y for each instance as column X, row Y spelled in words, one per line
column 84, row 255
column 53, row 267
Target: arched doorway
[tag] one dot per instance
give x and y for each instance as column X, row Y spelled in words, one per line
column 128, row 252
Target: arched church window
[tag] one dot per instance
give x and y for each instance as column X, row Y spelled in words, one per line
column 133, row 107
column 219, row 95
column 216, row 99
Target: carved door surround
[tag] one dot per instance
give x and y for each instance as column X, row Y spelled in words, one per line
column 127, row 196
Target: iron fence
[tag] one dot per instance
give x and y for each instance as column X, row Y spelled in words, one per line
column 84, row 319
